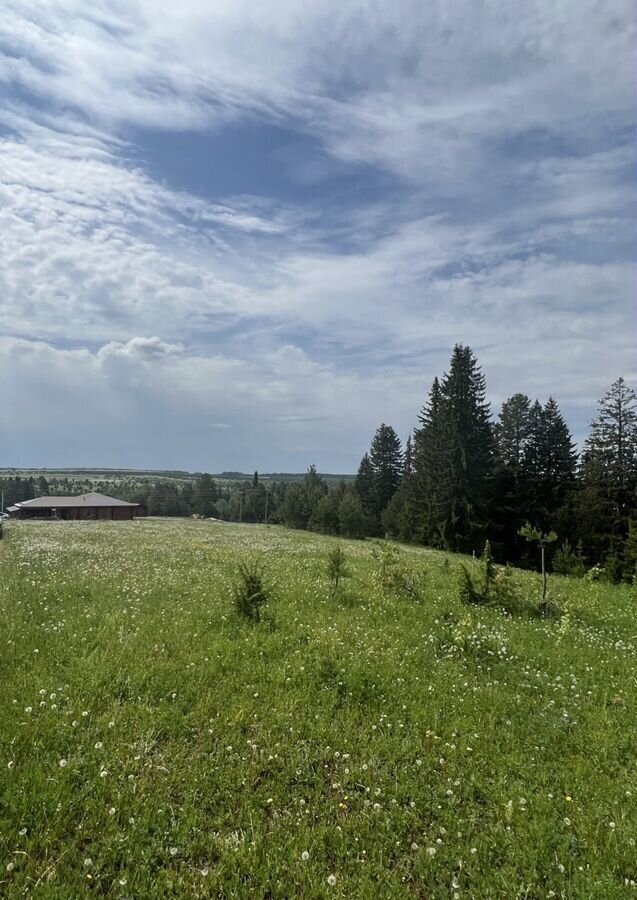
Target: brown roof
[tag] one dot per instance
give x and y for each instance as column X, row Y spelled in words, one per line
column 81, row 501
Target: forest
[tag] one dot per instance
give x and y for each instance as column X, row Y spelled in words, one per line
column 460, row 479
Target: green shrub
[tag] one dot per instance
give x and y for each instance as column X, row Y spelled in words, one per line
column 613, row 570
column 336, row 567
column 468, row 593
column 249, row 592
column 567, row 562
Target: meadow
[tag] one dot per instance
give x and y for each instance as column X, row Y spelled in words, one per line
column 365, row 744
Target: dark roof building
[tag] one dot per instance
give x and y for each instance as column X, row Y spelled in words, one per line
column 84, row 506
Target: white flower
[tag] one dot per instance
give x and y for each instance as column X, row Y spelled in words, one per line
column 331, row 880
column 10, row 866
column 414, row 845
column 63, row 763
column 431, row 851
column 88, row 862
column 305, row 856
column 104, row 773
column 99, row 745
column 174, row 851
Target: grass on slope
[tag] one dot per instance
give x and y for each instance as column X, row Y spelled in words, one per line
column 153, row 746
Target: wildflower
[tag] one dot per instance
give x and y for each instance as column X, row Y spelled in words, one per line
column 99, row 745
column 174, row 851
column 63, row 763
column 431, row 851
column 305, row 856
column 112, row 811
column 10, row 866
column 88, row 862
column 331, row 880
column 414, row 845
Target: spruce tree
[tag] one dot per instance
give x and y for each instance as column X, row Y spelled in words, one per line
column 364, row 485
column 609, row 473
column 386, row 460
column 512, row 434
column 559, row 458
column 470, row 450
column 423, row 512
column 408, row 460
column 610, row 451
column 549, row 465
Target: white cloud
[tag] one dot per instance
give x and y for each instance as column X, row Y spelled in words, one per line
column 499, row 130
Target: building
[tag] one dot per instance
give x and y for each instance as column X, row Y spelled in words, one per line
column 84, row 506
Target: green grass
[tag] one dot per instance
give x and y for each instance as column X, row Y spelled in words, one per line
column 152, row 745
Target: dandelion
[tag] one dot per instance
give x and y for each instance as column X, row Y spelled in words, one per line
column 305, row 856
column 331, row 880
column 112, row 811
column 10, row 866
column 63, row 763
column 174, row 851
column 99, row 745
column 431, row 851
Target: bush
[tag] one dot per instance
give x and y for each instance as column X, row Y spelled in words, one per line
column 336, row 567
column 250, row 592
column 613, row 570
column 468, row 593
column 567, row 562
column 391, row 574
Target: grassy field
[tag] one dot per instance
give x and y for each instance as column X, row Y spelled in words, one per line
column 362, row 745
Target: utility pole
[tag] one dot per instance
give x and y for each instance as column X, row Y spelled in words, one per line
column 265, row 521
column 240, row 505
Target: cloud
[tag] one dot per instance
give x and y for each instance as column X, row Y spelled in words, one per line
column 460, row 172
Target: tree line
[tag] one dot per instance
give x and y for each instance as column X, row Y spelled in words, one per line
column 462, row 479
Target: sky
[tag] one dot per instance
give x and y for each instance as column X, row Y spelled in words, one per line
column 239, row 235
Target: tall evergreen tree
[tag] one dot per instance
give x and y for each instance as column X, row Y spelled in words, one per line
column 386, row 460
column 608, row 498
column 364, row 485
column 549, row 465
column 559, row 457
column 470, row 449
column 610, row 451
column 408, row 460
column 512, row 434
column 424, row 508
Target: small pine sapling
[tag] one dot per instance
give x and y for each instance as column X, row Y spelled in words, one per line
column 534, row 535
column 250, row 592
column 336, row 567
column 488, row 570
